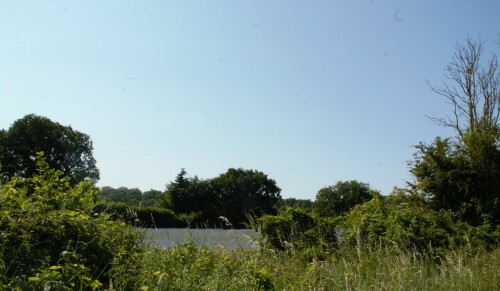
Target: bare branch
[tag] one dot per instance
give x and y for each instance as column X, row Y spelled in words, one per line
column 471, row 87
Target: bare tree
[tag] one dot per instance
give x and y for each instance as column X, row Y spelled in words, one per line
column 474, row 91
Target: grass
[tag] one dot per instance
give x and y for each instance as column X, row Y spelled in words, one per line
column 188, row 267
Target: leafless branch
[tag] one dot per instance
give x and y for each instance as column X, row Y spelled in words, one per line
column 471, row 87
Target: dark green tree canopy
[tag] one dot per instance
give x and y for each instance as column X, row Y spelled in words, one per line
column 233, row 195
column 340, row 198
column 65, row 149
column 190, row 194
column 461, row 176
column 245, row 191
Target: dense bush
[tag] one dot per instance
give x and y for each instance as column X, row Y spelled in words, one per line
column 52, row 237
column 408, row 222
column 294, row 229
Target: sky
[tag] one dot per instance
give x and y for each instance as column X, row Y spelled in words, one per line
column 308, row 92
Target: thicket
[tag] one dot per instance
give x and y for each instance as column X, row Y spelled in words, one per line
column 52, row 237
column 412, row 224
column 296, row 230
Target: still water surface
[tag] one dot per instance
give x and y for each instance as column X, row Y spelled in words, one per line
column 229, row 238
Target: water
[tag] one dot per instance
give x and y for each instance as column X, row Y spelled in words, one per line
column 231, row 239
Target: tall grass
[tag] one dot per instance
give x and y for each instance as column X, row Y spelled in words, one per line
column 188, row 267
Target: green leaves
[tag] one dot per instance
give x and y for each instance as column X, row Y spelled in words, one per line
column 340, row 198
column 65, row 149
column 295, row 229
column 52, row 237
column 461, row 176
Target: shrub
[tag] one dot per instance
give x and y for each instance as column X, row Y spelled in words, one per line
column 408, row 222
column 294, row 229
column 53, row 238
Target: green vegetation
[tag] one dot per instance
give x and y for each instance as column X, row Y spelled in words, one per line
column 52, row 237
column 190, row 268
column 131, row 197
column 340, row 198
column 305, row 204
column 462, row 173
column 65, row 149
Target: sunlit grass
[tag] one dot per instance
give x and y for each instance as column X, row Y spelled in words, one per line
column 188, row 267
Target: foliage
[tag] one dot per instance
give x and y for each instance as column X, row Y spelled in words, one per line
column 407, row 221
column 157, row 217
column 52, row 238
column 340, row 198
column 131, row 196
column 461, row 176
column 187, row 267
column 192, row 195
column 241, row 192
column 294, row 229
column 65, row 149
column 305, row 204
column 232, row 195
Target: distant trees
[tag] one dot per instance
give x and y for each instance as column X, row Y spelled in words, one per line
column 131, row 196
column 305, row 204
column 65, row 149
column 463, row 173
column 340, row 198
column 231, row 195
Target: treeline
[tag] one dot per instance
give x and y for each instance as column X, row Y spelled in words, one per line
column 186, row 202
column 224, row 201
column 182, row 204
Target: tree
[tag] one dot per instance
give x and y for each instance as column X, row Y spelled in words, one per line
column 462, row 174
column 340, row 198
column 474, row 92
column 305, row 204
column 65, row 149
column 129, row 196
column 242, row 191
column 191, row 194
column 151, row 198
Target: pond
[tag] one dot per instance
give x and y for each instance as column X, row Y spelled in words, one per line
column 228, row 238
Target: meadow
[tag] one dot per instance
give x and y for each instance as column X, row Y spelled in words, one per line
column 191, row 267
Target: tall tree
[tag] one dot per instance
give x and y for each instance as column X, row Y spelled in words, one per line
column 65, row 149
column 340, row 198
column 245, row 191
column 463, row 173
column 191, row 194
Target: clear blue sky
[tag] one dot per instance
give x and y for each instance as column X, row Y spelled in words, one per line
column 308, row 92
